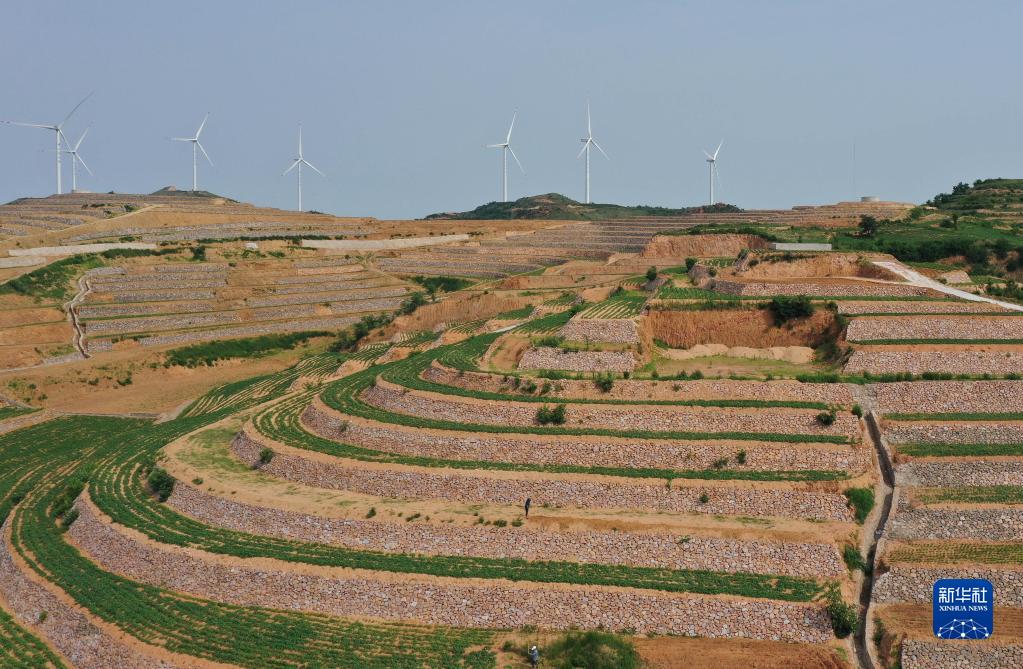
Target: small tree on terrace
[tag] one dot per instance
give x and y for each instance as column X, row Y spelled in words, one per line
column 868, row 226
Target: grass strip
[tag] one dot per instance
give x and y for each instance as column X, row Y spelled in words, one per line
column 959, row 450
column 987, row 494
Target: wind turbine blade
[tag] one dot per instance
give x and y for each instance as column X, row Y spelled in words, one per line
column 718, row 149
column 512, row 151
column 511, row 127
column 77, row 157
column 79, row 143
column 293, row 164
column 75, row 109
column 583, row 150
column 494, row 146
column 204, row 152
column 63, row 138
column 32, row 125
column 299, row 140
column 309, row 164
column 181, row 139
column 600, row 149
column 201, row 126
column 709, row 157
column 589, row 125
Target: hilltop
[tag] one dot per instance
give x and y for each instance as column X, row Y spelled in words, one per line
column 982, row 194
column 554, row 206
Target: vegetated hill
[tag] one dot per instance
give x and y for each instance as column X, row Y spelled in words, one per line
column 174, row 192
column 554, row 206
column 983, row 194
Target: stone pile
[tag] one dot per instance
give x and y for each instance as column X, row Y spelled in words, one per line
column 443, row 601
column 960, row 655
column 852, row 307
column 915, row 584
column 602, row 330
column 958, row 474
column 654, row 418
column 584, row 451
column 587, row 493
column 998, row 524
column 631, row 389
column 949, row 396
column 935, row 327
column 971, row 432
column 917, row 362
column 578, row 361
column 668, row 551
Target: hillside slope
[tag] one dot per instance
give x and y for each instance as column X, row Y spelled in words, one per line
column 554, row 206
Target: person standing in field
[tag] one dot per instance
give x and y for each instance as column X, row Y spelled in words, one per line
column 534, row 656
column 529, row 503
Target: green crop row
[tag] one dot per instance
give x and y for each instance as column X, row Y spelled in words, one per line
column 20, row 649
column 950, row 552
column 12, row 411
column 987, row 494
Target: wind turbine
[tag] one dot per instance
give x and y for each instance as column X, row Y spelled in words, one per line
column 587, row 142
column 299, row 162
column 505, row 147
column 75, row 159
column 712, row 161
column 195, row 157
column 57, row 131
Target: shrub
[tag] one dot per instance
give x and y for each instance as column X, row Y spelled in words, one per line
column 843, row 616
column 199, row 253
column 690, row 264
column 857, row 411
column 861, row 500
column 160, row 483
column 265, row 456
column 853, row 559
column 785, row 308
column 704, row 498
column 826, row 418
column 651, row 274
column 592, row 649
column 604, row 382
column 740, row 457
column 372, row 512
column 547, row 415
column 720, row 463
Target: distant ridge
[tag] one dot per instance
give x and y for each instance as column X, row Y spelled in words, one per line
column 554, row 206
column 174, row 192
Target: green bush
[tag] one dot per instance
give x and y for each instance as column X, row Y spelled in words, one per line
column 785, row 308
column 265, row 456
column 857, row 411
column 547, row 415
column 160, row 483
column 844, row 620
column 251, row 347
column 604, row 382
column 690, row 264
column 651, row 274
column 826, row 418
column 441, row 284
column 593, row 650
column 861, row 500
column 853, row 559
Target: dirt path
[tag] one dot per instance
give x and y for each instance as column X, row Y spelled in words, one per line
column 84, row 288
column 917, row 279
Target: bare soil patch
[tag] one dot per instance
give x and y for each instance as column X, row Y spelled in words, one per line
column 753, row 328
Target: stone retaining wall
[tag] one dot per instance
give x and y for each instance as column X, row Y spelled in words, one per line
column 577, row 361
column 114, row 310
column 949, row 396
column 879, row 361
column 935, row 327
column 960, row 655
column 646, row 494
column 604, row 330
column 999, row 524
column 70, row 631
column 915, row 584
column 582, row 451
column 442, row 601
column 971, row 432
column 249, row 330
column 654, row 418
column 631, row 389
column 666, row 551
column 852, row 307
column 835, row 289
column 304, row 297
column 178, row 321
column 158, row 296
column 959, row 474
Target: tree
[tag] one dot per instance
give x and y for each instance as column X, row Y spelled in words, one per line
column 651, row 274
column 868, row 226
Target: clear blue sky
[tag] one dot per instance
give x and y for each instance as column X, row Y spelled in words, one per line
column 398, row 98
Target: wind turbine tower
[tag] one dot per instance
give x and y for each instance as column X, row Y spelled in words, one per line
column 587, row 142
column 75, row 159
column 505, row 147
column 712, row 162
column 195, row 156
column 57, row 132
column 299, row 162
